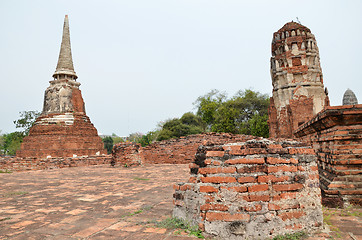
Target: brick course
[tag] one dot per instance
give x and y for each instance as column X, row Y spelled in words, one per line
column 25, row 164
column 336, row 136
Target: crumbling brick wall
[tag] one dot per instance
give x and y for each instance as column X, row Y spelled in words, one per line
column 251, row 190
column 174, row 151
column 24, row 164
column 336, row 136
column 126, row 154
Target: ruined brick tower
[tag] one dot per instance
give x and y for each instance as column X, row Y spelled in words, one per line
column 298, row 90
column 63, row 129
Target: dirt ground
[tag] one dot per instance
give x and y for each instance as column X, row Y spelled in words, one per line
column 101, row 202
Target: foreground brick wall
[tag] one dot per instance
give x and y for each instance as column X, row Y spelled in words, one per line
column 252, row 190
column 23, row 164
column 336, row 136
column 175, row 151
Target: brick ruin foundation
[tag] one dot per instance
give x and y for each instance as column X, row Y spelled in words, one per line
column 251, row 190
column 9, row 163
column 174, row 151
column 336, row 136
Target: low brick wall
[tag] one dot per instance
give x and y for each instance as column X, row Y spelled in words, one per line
column 252, row 190
column 336, row 136
column 174, row 151
column 24, row 164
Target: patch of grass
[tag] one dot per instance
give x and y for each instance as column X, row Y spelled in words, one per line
column 292, row 236
column 141, row 179
column 11, row 194
column 4, row 219
column 176, row 223
column 5, row 171
column 138, row 211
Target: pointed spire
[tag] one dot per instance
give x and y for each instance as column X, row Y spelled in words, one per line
column 65, row 61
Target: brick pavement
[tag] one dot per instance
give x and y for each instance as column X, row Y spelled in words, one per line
column 97, row 202
column 101, row 202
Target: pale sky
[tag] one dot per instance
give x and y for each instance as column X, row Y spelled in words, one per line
column 140, row 62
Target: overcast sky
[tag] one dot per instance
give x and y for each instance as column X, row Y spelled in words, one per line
column 140, row 62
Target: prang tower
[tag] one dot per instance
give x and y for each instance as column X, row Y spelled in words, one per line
column 298, row 90
column 63, row 129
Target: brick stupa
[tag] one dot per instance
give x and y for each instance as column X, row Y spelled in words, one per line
column 63, row 129
column 298, row 90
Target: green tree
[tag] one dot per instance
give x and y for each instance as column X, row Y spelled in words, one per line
column 116, row 139
column 2, row 142
column 26, row 120
column 12, row 142
column 108, row 144
column 245, row 113
column 258, row 125
column 207, row 106
column 188, row 124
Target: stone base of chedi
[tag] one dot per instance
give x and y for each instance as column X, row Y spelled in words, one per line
column 62, row 135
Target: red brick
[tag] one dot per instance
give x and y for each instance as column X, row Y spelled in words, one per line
column 185, row 187
column 201, row 227
column 272, row 178
column 258, row 188
column 289, row 215
column 285, row 168
column 192, row 180
column 208, row 161
column 314, row 168
column 245, row 161
column 355, row 161
column 209, row 199
column 214, row 153
column 253, row 169
column 254, row 208
column 217, row 207
column 272, row 160
column 227, row 217
column 235, row 189
column 217, row 170
column 216, row 163
column 272, row 206
column 246, row 179
column 208, row 189
column 288, row 187
column 287, row 195
column 256, row 198
column 218, row 179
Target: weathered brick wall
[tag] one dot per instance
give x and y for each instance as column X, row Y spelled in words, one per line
column 336, row 136
column 252, row 190
column 24, row 164
column 175, row 151
column 126, row 154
